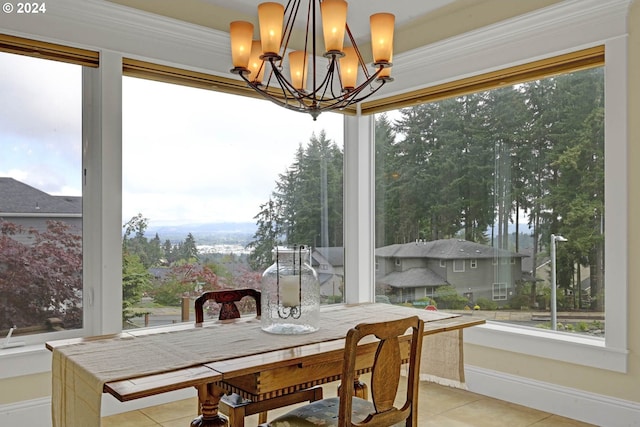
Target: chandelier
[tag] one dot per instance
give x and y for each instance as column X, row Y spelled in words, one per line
column 333, row 83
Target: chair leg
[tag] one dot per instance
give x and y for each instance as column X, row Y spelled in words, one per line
column 237, row 411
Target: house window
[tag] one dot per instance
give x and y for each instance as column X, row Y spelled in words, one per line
column 458, row 265
column 473, row 263
column 398, row 262
column 288, row 191
column 499, row 292
column 41, row 221
column 443, row 263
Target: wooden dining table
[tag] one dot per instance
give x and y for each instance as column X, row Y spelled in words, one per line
column 220, row 357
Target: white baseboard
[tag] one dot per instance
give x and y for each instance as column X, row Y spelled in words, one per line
column 579, row 405
column 591, row 408
column 37, row 412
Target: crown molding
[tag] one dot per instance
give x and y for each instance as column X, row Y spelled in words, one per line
column 102, row 25
column 551, row 31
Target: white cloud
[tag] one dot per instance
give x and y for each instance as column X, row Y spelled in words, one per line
column 202, row 156
column 189, row 155
column 40, row 123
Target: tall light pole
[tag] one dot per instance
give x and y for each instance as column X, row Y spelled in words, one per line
column 554, row 311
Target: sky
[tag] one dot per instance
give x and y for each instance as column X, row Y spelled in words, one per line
column 40, row 124
column 190, row 156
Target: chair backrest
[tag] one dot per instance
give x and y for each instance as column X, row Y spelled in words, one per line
column 386, row 372
column 227, row 299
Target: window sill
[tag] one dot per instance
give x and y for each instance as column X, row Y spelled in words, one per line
column 566, row 347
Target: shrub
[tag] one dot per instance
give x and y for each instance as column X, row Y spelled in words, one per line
column 448, row 298
column 486, row 304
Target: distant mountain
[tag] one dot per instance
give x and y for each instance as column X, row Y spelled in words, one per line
column 209, row 233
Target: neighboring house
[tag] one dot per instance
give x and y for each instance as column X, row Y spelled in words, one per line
column 29, row 207
column 416, row 270
column 329, row 264
column 543, row 275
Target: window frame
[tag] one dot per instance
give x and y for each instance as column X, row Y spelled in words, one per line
column 551, row 30
column 502, row 291
column 89, row 60
column 610, row 353
column 457, row 269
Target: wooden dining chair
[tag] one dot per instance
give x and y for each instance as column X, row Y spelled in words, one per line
column 347, row 409
column 233, row 405
column 227, row 299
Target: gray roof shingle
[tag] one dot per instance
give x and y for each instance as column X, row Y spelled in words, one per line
column 444, row 249
column 19, row 198
column 412, row 278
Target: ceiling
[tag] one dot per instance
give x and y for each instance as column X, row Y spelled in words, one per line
column 358, row 11
column 418, row 22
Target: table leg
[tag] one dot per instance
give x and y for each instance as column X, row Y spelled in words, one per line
column 209, row 396
column 360, row 389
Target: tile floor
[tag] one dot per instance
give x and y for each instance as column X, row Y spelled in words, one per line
column 442, row 407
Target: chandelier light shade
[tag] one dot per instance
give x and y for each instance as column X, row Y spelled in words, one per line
column 270, row 17
column 382, row 36
column 349, row 68
column 241, row 39
column 334, row 22
column 386, row 72
column 256, row 65
column 316, row 80
column 298, row 67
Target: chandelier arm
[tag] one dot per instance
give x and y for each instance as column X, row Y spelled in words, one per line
column 286, row 86
column 352, row 96
column 292, row 6
column 343, row 103
column 348, row 96
column 327, row 92
column 264, row 64
column 313, row 53
column 324, row 84
column 353, row 100
column 289, row 93
column 282, row 102
column 363, row 66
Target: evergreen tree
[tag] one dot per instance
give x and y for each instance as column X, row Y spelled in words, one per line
column 188, row 249
column 267, row 235
column 167, row 247
column 306, row 205
column 155, row 251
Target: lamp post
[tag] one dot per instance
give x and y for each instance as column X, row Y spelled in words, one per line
column 554, row 313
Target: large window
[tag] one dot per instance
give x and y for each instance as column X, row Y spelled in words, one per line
column 41, row 286
column 489, row 177
column 211, row 182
